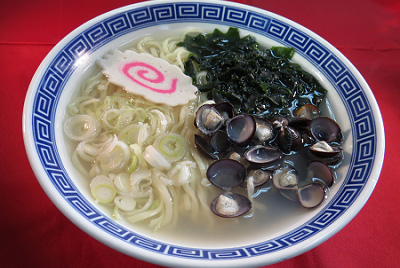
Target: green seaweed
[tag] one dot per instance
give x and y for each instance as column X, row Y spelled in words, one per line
column 256, row 80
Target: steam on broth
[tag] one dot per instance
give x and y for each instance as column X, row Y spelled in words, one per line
column 151, row 160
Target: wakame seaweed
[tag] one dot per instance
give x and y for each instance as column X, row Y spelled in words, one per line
column 254, row 79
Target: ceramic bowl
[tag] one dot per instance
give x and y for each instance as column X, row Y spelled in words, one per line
column 285, row 235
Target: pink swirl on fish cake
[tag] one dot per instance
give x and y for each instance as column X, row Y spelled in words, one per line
column 159, row 77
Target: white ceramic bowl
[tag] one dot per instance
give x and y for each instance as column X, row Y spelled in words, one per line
column 351, row 99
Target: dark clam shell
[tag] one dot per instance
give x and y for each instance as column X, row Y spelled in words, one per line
column 220, row 142
column 241, row 129
column 320, row 172
column 307, row 111
column 311, row 195
column 214, row 147
column 324, row 150
column 300, row 124
column 278, row 121
column 226, row 173
column 325, row 129
column 262, row 154
column 222, row 205
column 289, row 139
column 208, row 120
column 225, row 109
column 203, row 146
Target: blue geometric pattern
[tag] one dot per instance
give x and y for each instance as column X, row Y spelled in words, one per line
column 316, row 52
column 188, row 11
column 91, row 39
column 236, row 16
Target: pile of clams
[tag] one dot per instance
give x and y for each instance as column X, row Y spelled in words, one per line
column 250, row 151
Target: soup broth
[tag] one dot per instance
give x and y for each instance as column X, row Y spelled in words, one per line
column 118, row 138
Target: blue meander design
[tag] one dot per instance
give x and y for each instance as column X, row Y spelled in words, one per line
column 354, row 99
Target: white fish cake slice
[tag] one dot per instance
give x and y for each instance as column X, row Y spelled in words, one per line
column 153, row 78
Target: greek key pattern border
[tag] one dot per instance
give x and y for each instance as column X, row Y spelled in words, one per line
column 60, row 69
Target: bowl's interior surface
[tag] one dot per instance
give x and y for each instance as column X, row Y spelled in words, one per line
column 277, row 219
column 274, row 214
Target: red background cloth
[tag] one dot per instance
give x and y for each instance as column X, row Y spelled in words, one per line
column 34, row 233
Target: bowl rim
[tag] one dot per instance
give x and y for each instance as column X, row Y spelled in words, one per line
column 298, row 31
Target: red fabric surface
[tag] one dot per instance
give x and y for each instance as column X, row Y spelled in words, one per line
column 34, row 233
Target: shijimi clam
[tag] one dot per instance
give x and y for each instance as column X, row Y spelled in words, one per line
column 309, row 191
column 241, row 129
column 227, row 174
column 230, row 205
column 208, row 119
column 252, row 150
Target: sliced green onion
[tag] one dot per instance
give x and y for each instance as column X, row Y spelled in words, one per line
column 130, row 133
column 122, row 182
column 116, row 214
column 103, row 189
column 116, row 158
column 172, row 146
column 110, row 118
column 133, row 164
column 141, row 115
column 81, row 127
column 143, row 134
column 125, row 203
column 131, row 116
column 155, row 158
column 136, row 149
